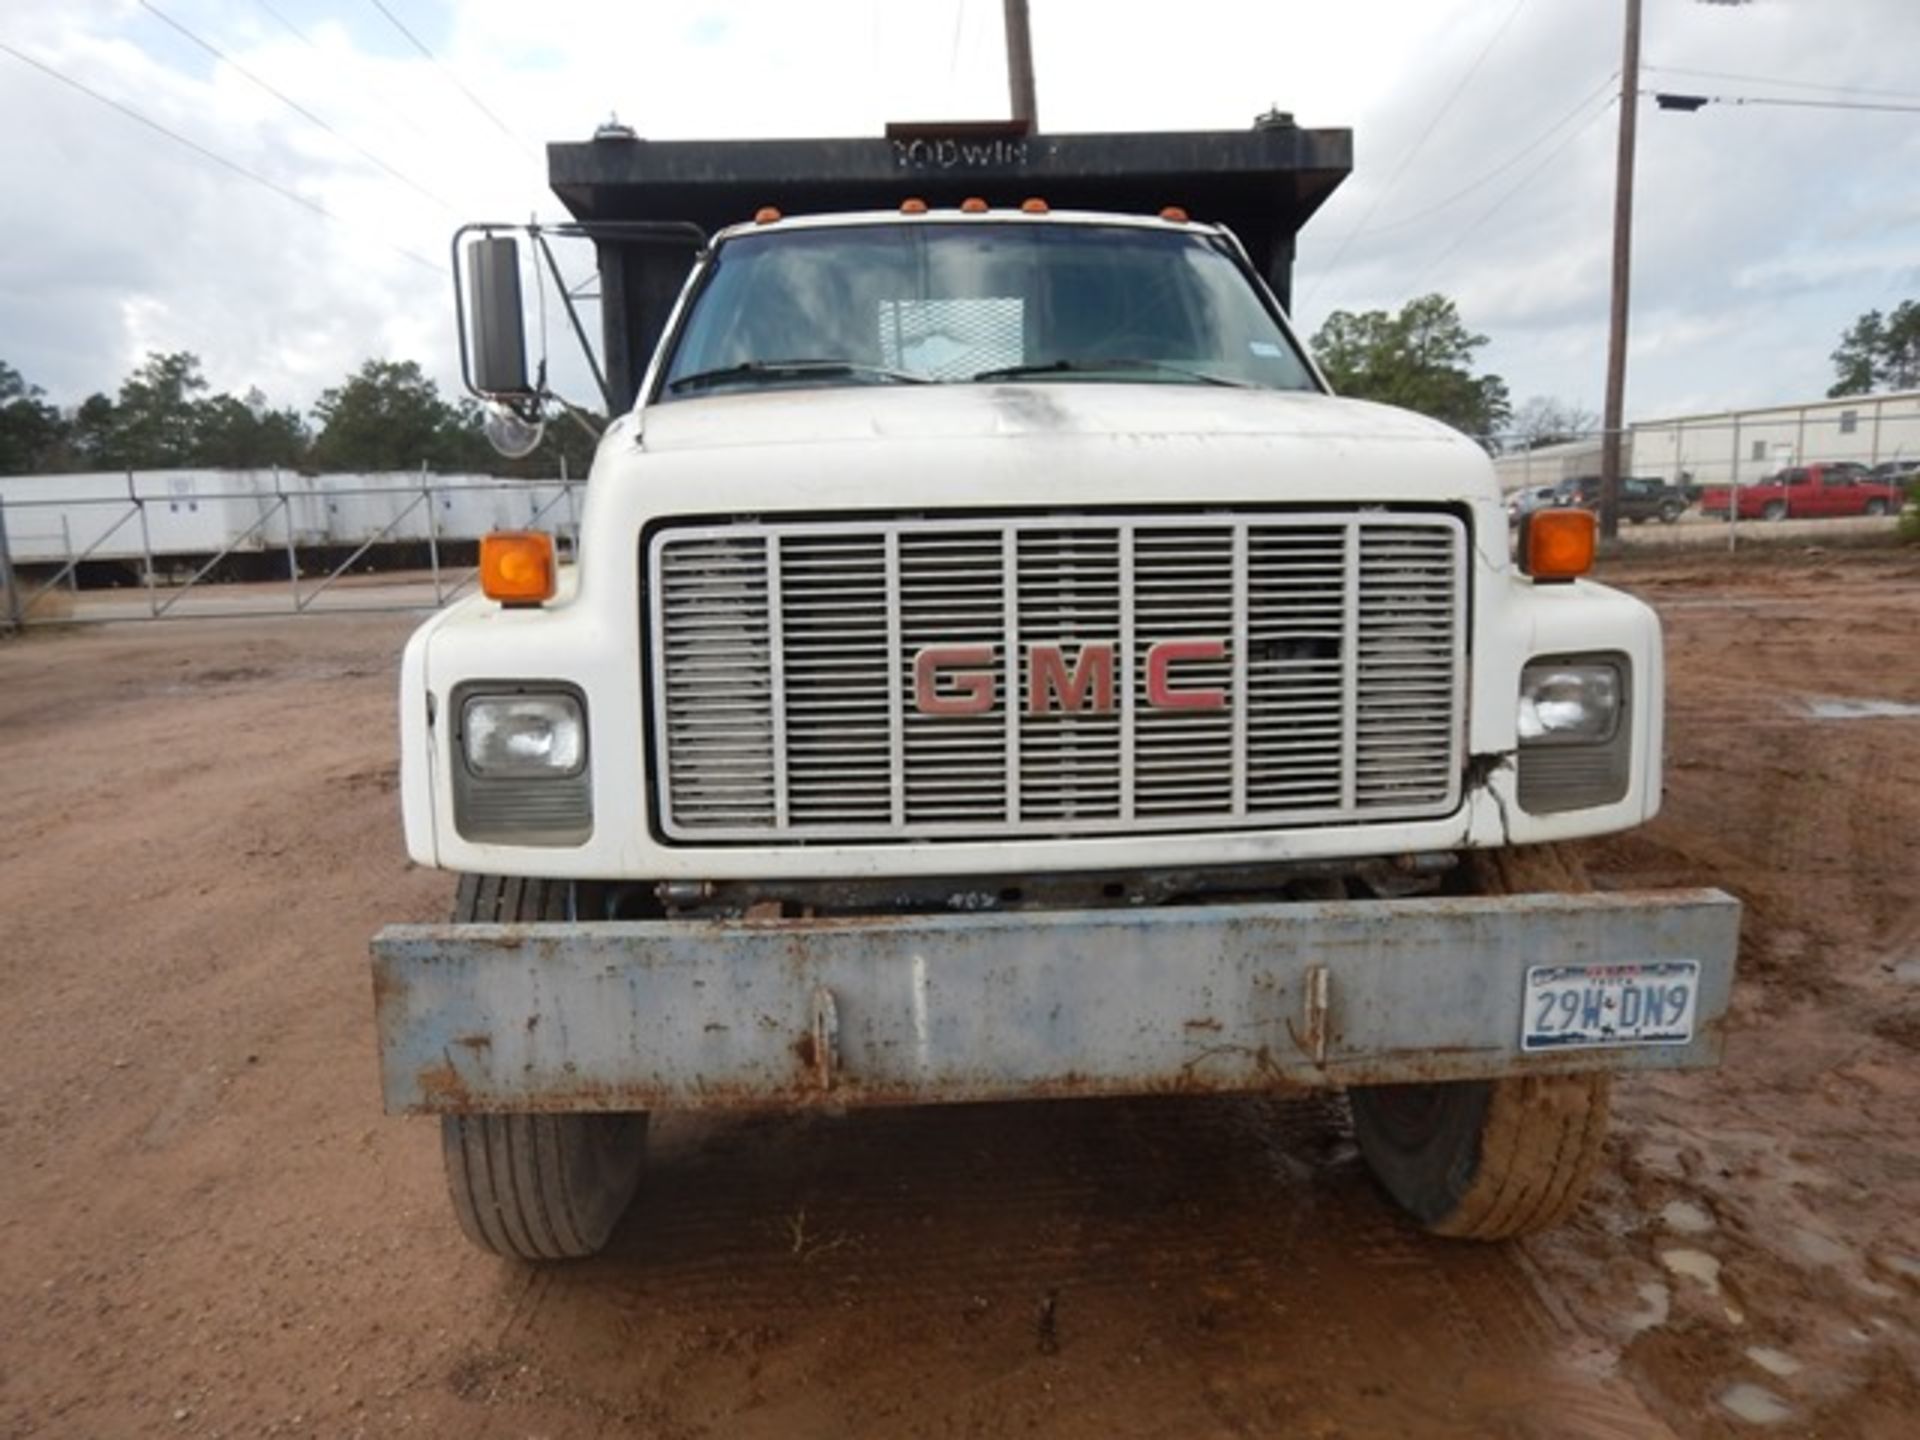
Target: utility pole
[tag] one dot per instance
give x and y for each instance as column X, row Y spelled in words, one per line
column 1020, row 65
column 1613, row 421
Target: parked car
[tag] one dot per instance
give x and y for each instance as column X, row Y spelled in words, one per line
column 1806, row 492
column 1537, row 497
column 1642, row 497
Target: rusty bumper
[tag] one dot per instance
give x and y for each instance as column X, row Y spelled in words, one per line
column 925, row 1009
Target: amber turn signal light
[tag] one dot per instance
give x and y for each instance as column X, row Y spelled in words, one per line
column 517, row 567
column 1557, row 544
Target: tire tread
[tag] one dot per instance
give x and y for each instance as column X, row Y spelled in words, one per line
column 529, row 1186
column 1541, row 1136
column 1544, row 1135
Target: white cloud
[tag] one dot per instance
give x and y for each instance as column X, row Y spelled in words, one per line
column 1761, row 232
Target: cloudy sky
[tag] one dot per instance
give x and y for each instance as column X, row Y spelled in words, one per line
column 1483, row 140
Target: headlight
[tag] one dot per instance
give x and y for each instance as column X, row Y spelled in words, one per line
column 520, row 775
column 524, row 735
column 1574, row 747
column 1563, row 704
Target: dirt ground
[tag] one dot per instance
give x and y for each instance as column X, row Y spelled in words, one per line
column 207, row 1227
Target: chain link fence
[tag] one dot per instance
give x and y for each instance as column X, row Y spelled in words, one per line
column 1854, row 461
column 187, row 544
column 179, row 544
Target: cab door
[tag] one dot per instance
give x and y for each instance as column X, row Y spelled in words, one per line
column 1835, row 494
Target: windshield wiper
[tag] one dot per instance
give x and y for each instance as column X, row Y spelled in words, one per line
column 776, row 369
column 1082, row 367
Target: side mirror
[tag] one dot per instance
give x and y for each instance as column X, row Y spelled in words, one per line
column 499, row 338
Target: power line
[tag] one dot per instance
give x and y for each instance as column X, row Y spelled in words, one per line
column 1670, row 101
column 301, row 200
column 288, row 25
column 1418, row 145
column 1500, row 204
column 454, row 80
column 292, row 104
column 1502, row 168
column 367, row 92
column 1785, row 84
column 953, row 48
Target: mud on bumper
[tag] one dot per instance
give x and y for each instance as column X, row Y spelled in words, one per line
column 925, row 1009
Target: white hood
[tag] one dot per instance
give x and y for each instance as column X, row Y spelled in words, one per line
column 953, row 412
column 892, row 446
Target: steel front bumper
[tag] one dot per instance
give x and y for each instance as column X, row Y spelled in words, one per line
column 924, row 1009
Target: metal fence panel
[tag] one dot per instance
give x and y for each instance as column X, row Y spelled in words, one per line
column 174, row 537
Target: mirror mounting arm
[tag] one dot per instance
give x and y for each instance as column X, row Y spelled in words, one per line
column 499, row 334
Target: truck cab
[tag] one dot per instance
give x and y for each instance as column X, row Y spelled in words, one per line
column 996, row 667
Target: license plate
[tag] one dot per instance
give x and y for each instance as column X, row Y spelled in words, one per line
column 1572, row 1007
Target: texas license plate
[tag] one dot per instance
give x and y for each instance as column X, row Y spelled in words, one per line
column 1570, row 1007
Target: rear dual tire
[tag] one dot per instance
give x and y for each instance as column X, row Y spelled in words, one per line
column 1489, row 1159
column 536, row 1187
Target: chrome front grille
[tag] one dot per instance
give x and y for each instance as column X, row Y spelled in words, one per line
column 786, row 704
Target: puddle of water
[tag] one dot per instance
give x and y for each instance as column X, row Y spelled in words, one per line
column 1695, row 1265
column 1686, row 1218
column 1819, row 1248
column 1862, row 709
column 1656, row 1304
column 1774, row 1362
column 1754, row 1404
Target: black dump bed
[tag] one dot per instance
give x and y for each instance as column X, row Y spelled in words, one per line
column 1264, row 183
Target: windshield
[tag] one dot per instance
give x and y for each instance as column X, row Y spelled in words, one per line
column 985, row 303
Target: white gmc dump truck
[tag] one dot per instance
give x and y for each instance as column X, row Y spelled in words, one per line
column 994, row 666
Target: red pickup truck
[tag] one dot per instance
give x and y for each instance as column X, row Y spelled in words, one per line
column 1804, row 492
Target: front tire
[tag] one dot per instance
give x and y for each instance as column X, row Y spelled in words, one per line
column 1486, row 1159
column 541, row 1187
column 1774, row 510
column 1489, row 1159
column 1876, row 507
column 536, row 1187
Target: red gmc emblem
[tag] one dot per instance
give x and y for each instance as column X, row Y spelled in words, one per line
column 961, row 680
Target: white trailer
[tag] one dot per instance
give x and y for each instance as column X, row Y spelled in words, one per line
column 182, row 518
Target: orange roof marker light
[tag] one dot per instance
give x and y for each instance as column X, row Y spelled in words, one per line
column 1034, row 205
column 1175, row 214
column 517, row 567
column 1557, row 544
column 973, row 205
column 913, row 205
column 765, row 215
